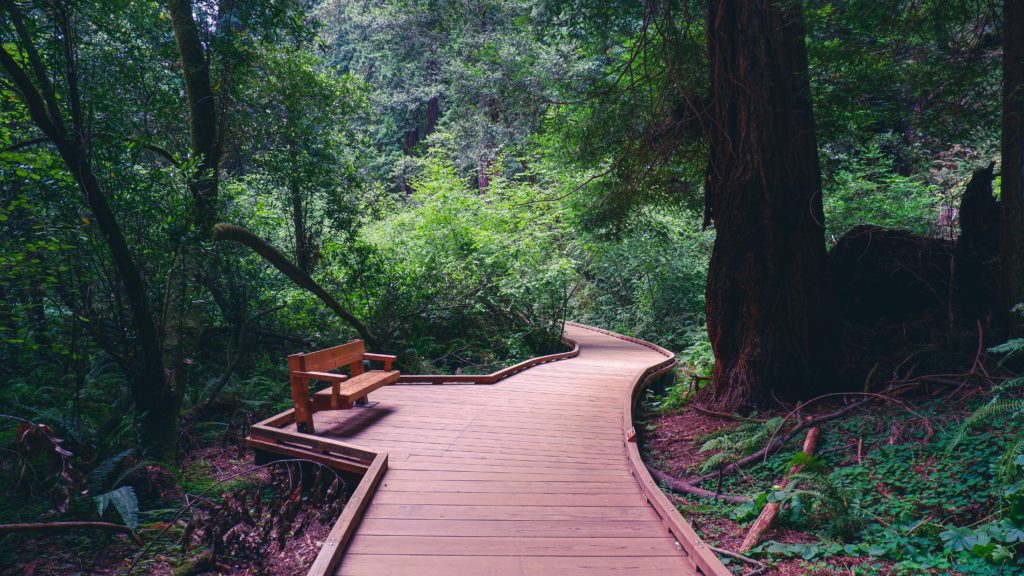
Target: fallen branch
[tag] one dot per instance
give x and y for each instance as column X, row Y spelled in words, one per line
column 65, row 526
column 771, row 510
column 724, row 415
column 760, row 567
column 777, row 444
column 684, row 487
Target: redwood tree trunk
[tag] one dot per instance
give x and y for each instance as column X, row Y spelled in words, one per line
column 1011, row 250
column 769, row 312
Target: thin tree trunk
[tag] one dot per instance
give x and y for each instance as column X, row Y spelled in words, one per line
column 433, row 112
column 1012, row 220
column 150, row 391
column 203, row 120
column 770, row 320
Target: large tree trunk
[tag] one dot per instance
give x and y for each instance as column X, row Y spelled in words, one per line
column 769, row 312
column 1011, row 251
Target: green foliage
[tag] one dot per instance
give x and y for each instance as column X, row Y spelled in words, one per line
column 729, row 445
column 867, row 188
column 1010, row 465
column 124, row 501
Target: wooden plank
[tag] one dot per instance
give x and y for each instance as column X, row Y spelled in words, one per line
column 331, row 358
column 531, row 469
column 510, row 528
column 320, row 443
column 389, row 565
column 546, row 487
column 483, row 499
column 519, row 476
column 290, row 451
column 330, row 553
column 505, row 512
column 512, row 546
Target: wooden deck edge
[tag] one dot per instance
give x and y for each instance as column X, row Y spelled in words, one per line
column 493, row 377
column 333, row 548
column 702, row 557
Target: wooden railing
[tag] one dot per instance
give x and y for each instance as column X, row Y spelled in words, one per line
column 493, row 376
column 698, row 551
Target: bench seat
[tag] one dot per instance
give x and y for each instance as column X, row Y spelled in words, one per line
column 359, row 386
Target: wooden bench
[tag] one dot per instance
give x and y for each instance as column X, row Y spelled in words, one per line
column 346, row 390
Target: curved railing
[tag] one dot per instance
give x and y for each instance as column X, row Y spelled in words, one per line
column 493, row 376
column 703, row 557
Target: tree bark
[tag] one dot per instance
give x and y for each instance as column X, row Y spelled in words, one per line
column 1011, row 250
column 203, row 121
column 770, row 318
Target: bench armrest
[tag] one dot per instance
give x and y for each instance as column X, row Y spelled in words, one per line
column 326, row 376
column 387, row 359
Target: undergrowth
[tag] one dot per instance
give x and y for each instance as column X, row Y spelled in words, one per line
column 882, row 490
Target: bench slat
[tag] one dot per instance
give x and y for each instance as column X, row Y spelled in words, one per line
column 359, row 386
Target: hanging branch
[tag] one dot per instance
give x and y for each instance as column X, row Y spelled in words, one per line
column 260, row 246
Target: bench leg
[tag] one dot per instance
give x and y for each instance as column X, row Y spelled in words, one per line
column 364, row 401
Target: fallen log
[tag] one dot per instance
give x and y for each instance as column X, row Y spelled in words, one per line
column 771, row 510
column 64, row 526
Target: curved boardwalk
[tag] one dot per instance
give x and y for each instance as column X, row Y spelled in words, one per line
column 530, row 475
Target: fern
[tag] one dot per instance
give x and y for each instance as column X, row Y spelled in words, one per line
column 1010, row 349
column 1008, row 467
column 125, row 501
column 983, row 415
column 830, row 501
column 98, row 477
column 733, row 444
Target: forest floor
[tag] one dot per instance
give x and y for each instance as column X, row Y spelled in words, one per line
column 225, row 516
column 887, row 494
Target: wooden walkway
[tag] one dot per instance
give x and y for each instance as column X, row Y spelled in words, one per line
column 535, row 474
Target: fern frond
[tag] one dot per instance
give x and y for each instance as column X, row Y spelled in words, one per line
column 983, row 415
column 1010, row 349
column 1010, row 384
column 714, row 462
column 125, row 501
column 98, row 477
column 1007, row 468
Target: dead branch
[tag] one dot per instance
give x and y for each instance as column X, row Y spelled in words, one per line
column 65, row 526
column 771, row 510
column 684, row 487
column 777, row 444
column 759, row 567
column 724, row 415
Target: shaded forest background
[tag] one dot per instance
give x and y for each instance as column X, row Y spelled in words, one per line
column 457, row 178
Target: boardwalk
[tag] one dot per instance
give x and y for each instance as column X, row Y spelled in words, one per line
column 530, row 475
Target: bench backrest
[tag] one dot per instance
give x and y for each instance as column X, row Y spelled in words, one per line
column 349, row 353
